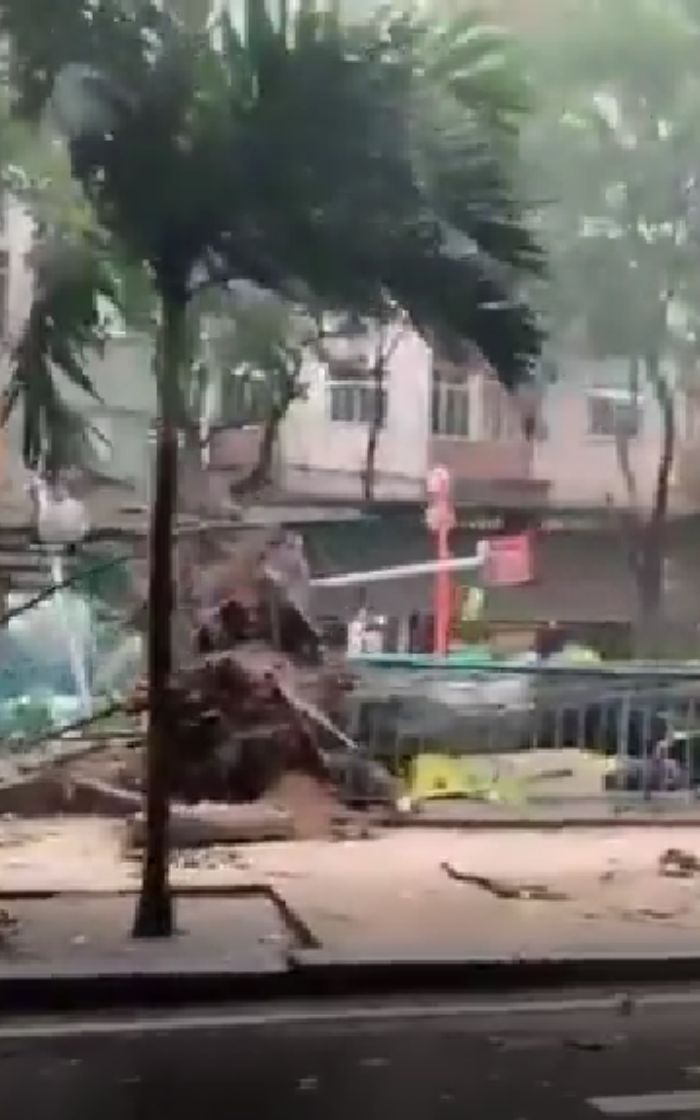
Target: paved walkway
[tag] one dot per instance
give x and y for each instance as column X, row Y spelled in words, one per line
column 581, row 891
column 76, row 935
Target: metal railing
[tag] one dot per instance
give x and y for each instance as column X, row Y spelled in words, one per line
column 558, row 732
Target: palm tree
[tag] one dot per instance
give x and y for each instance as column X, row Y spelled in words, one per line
column 298, row 156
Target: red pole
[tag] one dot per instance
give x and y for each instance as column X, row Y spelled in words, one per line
column 440, row 520
column 443, row 592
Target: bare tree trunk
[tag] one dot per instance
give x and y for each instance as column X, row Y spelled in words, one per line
column 261, row 472
column 375, row 427
column 650, row 566
column 154, row 914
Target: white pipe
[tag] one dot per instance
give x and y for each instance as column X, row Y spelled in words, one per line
column 405, row 571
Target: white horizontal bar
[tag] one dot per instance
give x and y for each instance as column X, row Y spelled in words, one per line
column 402, row 571
column 682, row 1100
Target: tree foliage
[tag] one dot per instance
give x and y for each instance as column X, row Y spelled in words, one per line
column 614, row 147
column 72, row 282
column 316, row 160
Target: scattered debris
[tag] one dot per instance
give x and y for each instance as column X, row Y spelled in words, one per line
column 538, row 892
column 212, row 858
column 593, row 1045
column 657, row 915
column 675, row 863
column 626, row 1005
column 307, row 1084
column 8, row 924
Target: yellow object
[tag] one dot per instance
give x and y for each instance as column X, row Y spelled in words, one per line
column 433, row 776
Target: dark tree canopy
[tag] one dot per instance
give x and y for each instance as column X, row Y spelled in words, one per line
column 350, row 166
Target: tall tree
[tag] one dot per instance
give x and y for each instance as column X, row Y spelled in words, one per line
column 289, row 154
column 617, row 135
column 466, row 106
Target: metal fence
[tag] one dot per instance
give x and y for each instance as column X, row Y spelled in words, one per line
column 609, row 729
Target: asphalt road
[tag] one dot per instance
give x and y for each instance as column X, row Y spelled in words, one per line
column 579, row 1057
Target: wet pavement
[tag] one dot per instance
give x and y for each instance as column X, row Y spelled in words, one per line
column 577, row 1058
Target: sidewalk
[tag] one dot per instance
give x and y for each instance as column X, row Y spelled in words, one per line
column 408, row 896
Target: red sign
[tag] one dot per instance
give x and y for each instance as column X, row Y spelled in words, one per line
column 509, row 561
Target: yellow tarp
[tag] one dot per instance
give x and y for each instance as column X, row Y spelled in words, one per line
column 445, row 775
column 431, row 776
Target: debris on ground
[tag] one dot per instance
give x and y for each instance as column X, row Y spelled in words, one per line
column 307, row 1084
column 501, row 888
column 8, row 924
column 675, row 863
column 657, row 915
column 626, row 1006
column 212, row 858
column 591, row 1045
column 255, row 705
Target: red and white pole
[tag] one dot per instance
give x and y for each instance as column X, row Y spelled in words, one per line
column 440, row 520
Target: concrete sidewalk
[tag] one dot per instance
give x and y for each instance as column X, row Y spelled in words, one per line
column 426, row 899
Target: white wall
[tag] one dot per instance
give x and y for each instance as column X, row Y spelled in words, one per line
column 325, row 456
column 582, row 468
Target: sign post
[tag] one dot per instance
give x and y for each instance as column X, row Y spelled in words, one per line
column 440, row 519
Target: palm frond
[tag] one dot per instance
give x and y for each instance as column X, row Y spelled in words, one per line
column 65, row 323
column 299, row 155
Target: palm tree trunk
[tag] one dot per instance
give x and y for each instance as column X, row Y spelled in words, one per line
column 154, row 915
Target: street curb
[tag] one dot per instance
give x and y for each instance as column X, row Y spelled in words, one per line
column 313, row 974
column 552, row 824
column 57, row 991
column 66, row 986
column 329, row 973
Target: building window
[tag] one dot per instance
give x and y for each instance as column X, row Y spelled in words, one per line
column 502, row 420
column 451, row 412
column 613, row 412
column 352, row 396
